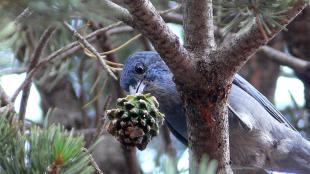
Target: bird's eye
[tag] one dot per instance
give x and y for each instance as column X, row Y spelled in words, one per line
column 140, row 69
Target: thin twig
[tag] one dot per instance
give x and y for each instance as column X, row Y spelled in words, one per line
column 93, row 162
column 97, row 95
column 91, row 49
column 82, row 97
column 96, row 82
column 104, row 108
column 259, row 25
column 25, row 14
column 177, row 7
column 99, row 92
column 34, row 60
column 120, row 29
column 60, row 54
column 123, row 45
column 109, row 63
column 90, row 54
column 295, row 63
column 116, row 69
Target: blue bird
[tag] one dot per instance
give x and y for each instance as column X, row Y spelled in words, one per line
column 260, row 136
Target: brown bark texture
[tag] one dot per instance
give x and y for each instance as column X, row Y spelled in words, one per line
column 203, row 74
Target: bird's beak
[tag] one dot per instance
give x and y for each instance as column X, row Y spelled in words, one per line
column 137, row 88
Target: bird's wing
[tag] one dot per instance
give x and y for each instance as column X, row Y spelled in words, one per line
column 180, row 135
column 248, row 88
column 175, row 118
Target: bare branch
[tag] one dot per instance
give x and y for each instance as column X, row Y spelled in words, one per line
column 122, row 14
column 34, row 60
column 295, row 63
column 93, row 162
column 118, row 12
column 173, row 18
column 92, row 49
column 120, row 29
column 198, row 26
column 61, row 54
column 177, row 7
column 25, row 14
column 149, row 22
column 82, row 97
column 235, row 53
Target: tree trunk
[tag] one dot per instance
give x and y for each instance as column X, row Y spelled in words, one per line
column 203, row 73
column 207, row 122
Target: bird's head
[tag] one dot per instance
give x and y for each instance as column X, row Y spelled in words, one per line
column 146, row 72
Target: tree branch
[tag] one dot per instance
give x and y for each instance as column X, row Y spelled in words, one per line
column 62, row 53
column 93, row 162
column 295, row 63
column 118, row 12
column 235, row 53
column 198, row 26
column 92, row 49
column 34, row 60
column 25, row 14
column 173, row 18
column 149, row 22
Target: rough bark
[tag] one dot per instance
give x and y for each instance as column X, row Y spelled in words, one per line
column 205, row 102
column 203, row 75
column 149, row 22
column 198, row 26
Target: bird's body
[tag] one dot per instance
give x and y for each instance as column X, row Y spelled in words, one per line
column 260, row 137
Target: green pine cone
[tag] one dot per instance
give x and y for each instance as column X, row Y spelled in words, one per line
column 135, row 120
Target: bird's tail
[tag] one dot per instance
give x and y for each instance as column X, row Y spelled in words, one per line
column 297, row 156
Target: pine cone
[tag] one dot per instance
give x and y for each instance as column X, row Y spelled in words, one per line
column 135, row 121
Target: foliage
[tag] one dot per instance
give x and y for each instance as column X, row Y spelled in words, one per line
column 40, row 150
column 48, row 149
column 241, row 14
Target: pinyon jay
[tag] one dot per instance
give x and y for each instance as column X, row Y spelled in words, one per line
column 260, row 136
